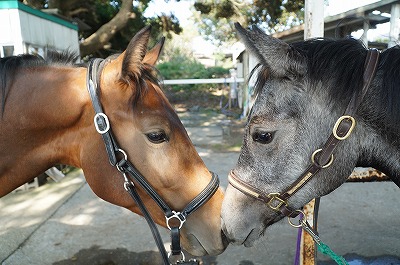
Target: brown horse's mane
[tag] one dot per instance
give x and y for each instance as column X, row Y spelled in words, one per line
column 10, row 65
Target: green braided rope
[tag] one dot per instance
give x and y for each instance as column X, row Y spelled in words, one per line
column 325, row 249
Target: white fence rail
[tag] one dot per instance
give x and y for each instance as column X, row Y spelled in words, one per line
column 203, row 81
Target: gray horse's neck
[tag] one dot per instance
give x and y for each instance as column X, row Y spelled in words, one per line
column 381, row 152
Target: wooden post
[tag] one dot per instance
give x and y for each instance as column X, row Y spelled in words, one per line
column 394, row 25
column 308, row 253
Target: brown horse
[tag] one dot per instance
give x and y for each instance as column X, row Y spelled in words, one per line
column 47, row 119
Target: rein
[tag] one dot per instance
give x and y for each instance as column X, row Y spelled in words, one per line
column 174, row 219
column 321, row 158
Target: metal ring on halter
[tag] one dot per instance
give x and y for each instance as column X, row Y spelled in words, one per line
column 300, row 220
column 182, row 254
column 123, row 153
column 105, row 118
column 126, row 183
column 327, row 164
column 353, row 124
column 122, row 170
column 178, row 216
column 125, row 158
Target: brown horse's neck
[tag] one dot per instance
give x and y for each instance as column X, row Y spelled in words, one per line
column 42, row 124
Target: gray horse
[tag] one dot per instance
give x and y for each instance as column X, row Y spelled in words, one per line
column 303, row 89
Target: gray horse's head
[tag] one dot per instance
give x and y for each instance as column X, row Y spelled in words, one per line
column 303, row 88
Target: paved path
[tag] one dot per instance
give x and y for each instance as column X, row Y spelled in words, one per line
column 65, row 223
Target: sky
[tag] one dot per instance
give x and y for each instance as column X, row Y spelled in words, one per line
column 337, row 6
column 182, row 10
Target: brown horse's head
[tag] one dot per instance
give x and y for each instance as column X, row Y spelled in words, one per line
column 147, row 128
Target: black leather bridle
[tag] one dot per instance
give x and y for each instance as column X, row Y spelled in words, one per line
column 119, row 159
column 321, row 158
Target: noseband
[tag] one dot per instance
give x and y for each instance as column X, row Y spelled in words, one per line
column 119, row 159
column 321, row 158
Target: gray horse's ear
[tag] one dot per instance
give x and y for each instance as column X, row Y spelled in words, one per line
column 279, row 56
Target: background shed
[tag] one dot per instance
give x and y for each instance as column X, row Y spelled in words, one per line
column 337, row 26
column 27, row 30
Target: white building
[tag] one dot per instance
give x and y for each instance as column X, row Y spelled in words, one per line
column 27, row 30
column 364, row 18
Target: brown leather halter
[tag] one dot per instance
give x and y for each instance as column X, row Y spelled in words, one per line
column 321, row 158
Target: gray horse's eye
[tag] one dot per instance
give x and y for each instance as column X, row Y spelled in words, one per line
column 157, row 137
column 263, row 137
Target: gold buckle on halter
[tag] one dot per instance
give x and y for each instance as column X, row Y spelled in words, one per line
column 353, row 124
column 274, row 197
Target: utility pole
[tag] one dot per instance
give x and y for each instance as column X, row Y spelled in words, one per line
column 394, row 25
column 313, row 28
column 313, row 19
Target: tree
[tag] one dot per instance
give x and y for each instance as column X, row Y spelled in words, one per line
column 112, row 23
column 216, row 18
column 178, row 62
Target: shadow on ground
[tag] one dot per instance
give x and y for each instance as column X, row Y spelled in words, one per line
column 121, row 256
column 97, row 256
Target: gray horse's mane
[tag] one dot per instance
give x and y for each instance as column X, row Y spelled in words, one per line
column 340, row 63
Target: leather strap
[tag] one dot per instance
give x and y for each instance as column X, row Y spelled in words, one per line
column 175, row 241
column 102, row 123
column 370, row 66
column 152, row 225
column 192, row 206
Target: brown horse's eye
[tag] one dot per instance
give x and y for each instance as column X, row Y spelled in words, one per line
column 157, row 137
column 263, row 137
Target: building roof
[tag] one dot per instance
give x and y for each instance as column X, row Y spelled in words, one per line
column 340, row 25
column 14, row 4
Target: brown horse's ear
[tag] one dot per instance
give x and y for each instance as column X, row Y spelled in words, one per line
column 135, row 52
column 152, row 56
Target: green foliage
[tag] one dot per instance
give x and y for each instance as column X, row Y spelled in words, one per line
column 217, row 16
column 224, row 10
column 161, row 24
column 183, row 67
column 204, row 8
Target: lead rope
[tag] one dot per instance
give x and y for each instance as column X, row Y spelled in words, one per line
column 322, row 247
column 298, row 245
